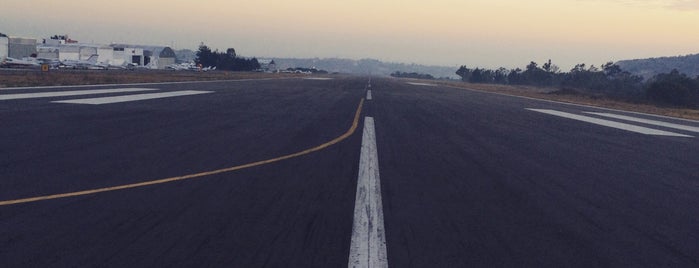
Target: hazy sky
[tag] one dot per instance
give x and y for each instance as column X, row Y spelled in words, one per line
column 477, row 33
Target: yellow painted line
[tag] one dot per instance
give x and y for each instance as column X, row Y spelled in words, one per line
column 349, row 132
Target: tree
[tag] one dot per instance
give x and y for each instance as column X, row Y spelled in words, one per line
column 500, row 76
column 231, row 53
column 206, row 57
column 464, row 72
column 515, row 77
column 674, row 89
column 550, row 68
column 537, row 76
column 224, row 61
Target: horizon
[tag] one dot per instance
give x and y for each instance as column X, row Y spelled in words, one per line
column 450, row 33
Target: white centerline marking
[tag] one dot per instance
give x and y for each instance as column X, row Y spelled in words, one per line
column 648, row 121
column 368, row 248
column 70, row 93
column 368, row 94
column 612, row 124
column 137, row 97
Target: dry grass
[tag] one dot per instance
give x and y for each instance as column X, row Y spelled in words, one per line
column 27, row 78
column 597, row 101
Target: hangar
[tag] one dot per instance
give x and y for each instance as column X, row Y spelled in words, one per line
column 4, row 46
column 18, row 47
column 61, row 48
column 153, row 57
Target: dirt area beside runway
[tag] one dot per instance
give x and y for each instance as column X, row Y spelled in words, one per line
column 598, row 101
column 29, row 78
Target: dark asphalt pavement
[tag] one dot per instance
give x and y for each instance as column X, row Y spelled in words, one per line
column 468, row 179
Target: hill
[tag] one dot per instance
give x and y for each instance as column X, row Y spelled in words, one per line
column 364, row 66
column 648, row 68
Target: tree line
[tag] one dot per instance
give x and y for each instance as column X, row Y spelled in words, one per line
column 412, row 75
column 228, row 61
column 610, row 80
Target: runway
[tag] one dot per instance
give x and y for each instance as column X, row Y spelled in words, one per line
column 466, row 178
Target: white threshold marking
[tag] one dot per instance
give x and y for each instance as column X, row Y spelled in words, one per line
column 70, row 93
column 648, row 121
column 421, row 84
column 368, row 94
column 137, row 97
column 612, row 124
column 368, row 248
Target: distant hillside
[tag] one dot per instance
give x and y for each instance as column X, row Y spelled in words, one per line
column 648, row 68
column 365, row 66
column 346, row 66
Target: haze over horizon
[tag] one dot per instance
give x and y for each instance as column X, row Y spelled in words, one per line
column 475, row 33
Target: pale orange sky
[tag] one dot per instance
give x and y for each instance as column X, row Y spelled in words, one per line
column 477, row 33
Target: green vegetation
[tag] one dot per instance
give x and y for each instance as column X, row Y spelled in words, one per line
column 228, row 61
column 412, row 75
column 609, row 80
column 674, row 89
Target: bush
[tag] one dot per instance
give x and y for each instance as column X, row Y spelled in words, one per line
column 674, row 89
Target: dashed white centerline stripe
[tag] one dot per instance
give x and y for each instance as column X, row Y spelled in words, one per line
column 368, row 94
column 648, row 121
column 612, row 124
column 70, row 93
column 368, row 248
column 137, row 97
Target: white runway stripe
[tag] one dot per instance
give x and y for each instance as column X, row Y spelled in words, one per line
column 137, row 97
column 70, row 93
column 368, row 94
column 612, row 124
column 648, row 121
column 368, row 248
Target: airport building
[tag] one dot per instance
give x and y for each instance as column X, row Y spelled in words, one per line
column 62, row 48
column 4, row 47
column 21, row 47
column 153, row 57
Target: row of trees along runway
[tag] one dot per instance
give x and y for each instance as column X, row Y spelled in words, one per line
column 227, row 61
column 674, row 88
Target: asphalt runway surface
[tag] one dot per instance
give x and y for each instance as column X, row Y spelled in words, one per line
column 467, row 179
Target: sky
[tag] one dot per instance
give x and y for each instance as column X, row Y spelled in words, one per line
column 476, row 33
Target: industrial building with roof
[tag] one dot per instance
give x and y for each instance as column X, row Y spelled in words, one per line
column 61, row 48
column 153, row 57
column 16, row 47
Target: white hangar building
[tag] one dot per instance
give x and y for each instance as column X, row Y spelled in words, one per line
column 4, row 47
column 153, row 57
column 16, row 47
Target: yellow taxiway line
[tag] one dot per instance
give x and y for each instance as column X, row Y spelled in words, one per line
column 349, row 132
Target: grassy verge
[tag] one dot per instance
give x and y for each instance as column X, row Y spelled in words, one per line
column 29, row 78
column 576, row 98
